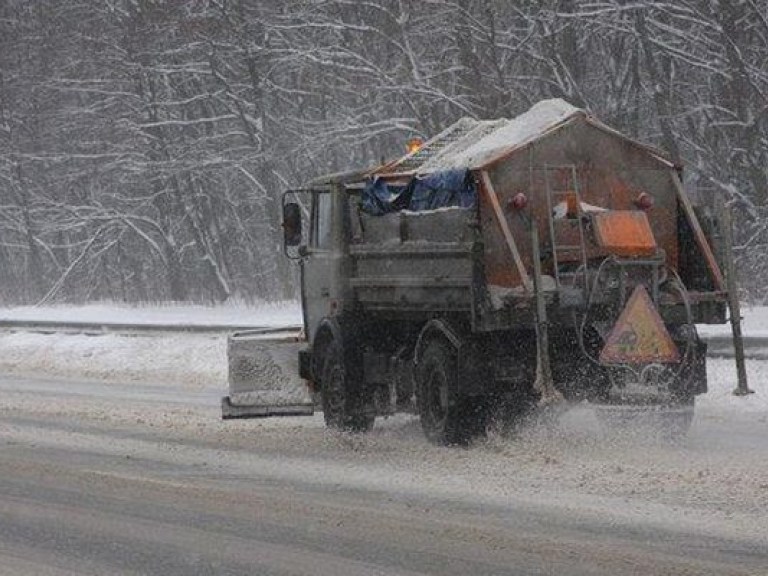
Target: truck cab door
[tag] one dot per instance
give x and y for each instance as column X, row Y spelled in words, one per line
column 317, row 264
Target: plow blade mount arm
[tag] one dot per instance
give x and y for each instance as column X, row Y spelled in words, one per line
column 264, row 376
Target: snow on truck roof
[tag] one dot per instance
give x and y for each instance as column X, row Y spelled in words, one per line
column 473, row 143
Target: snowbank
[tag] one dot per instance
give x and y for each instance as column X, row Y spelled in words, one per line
column 194, row 360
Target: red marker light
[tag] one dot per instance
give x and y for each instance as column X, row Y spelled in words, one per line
column 518, row 202
column 644, row 201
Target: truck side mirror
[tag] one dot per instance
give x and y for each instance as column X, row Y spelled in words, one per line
column 292, row 224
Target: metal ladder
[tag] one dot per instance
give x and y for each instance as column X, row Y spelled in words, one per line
column 553, row 195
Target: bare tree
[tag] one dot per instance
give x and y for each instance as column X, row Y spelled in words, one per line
column 144, row 143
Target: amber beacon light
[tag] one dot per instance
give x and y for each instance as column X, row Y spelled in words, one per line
column 414, row 144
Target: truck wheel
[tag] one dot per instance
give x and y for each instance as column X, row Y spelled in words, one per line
column 445, row 418
column 344, row 400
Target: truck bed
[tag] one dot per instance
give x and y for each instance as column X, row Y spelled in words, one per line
column 414, row 260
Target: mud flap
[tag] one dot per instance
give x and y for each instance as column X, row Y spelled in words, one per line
column 264, row 376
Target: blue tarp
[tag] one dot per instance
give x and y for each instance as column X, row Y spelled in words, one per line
column 436, row 190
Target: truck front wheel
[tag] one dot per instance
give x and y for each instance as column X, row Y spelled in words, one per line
column 445, row 417
column 344, row 399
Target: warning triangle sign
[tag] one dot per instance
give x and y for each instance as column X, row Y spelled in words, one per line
column 639, row 336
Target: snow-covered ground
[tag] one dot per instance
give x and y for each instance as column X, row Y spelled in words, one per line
column 721, row 376
column 755, row 319
column 160, row 394
column 198, row 361
column 195, row 360
column 279, row 314
column 754, row 323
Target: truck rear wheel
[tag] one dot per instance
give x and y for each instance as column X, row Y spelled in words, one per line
column 344, row 399
column 446, row 418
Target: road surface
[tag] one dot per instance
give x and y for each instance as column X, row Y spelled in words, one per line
column 99, row 478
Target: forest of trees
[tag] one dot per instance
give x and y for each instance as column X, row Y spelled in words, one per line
column 144, row 143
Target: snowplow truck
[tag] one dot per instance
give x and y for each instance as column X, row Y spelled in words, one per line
column 503, row 265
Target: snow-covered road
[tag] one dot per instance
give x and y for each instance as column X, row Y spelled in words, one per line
column 100, row 477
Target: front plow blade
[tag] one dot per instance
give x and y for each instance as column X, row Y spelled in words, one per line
column 264, row 376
